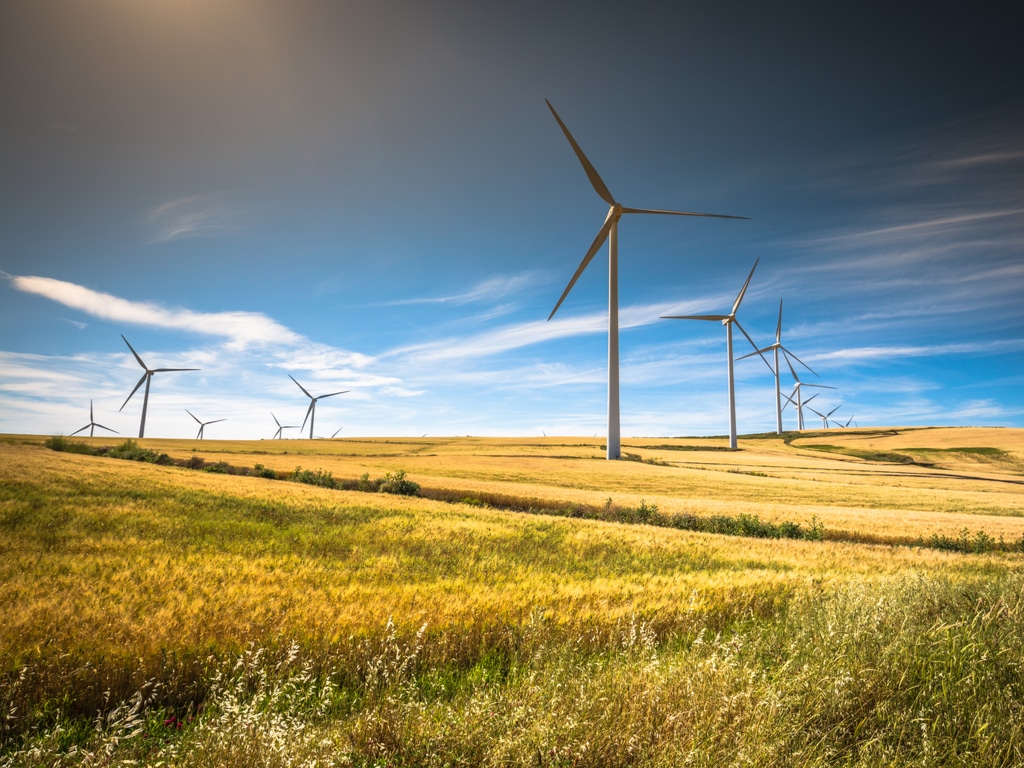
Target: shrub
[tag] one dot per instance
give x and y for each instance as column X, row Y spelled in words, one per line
column 396, row 482
column 61, row 443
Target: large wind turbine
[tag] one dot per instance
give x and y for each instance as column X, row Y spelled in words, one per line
column 281, row 427
column 202, row 424
column 311, row 412
column 776, row 347
column 91, row 426
column 610, row 231
column 146, row 377
column 728, row 321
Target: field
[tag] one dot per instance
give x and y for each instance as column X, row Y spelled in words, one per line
column 850, row 597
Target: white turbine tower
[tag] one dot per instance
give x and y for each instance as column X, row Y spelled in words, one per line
column 609, row 231
column 311, row 411
column 91, row 426
column 776, row 348
column 202, row 424
column 728, row 321
column 146, row 377
column 281, row 427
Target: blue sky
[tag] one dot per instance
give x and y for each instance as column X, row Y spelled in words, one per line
column 373, row 196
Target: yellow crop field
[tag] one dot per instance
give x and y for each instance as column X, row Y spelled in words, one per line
column 504, row 598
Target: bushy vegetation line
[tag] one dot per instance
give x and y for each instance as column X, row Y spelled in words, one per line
column 913, row 671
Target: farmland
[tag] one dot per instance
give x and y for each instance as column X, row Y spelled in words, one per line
column 530, row 604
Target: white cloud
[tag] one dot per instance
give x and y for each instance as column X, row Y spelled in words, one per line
column 241, row 329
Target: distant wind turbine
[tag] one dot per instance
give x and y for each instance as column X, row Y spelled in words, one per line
column 311, row 411
column 609, row 231
column 280, row 428
column 728, row 321
column 146, row 377
column 799, row 403
column 91, row 426
column 841, row 425
column 202, row 424
column 789, row 356
column 824, row 416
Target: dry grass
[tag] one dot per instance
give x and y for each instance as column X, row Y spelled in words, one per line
column 114, row 573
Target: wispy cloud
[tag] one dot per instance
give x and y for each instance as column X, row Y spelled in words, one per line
column 518, row 335
column 862, row 354
column 195, row 216
column 491, row 289
column 239, row 328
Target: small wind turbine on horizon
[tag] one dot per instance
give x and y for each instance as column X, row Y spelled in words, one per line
column 824, row 416
column 311, row 411
column 799, row 403
column 91, row 426
column 776, row 348
column 146, row 377
column 609, row 231
column 281, row 427
column 728, row 321
column 202, row 424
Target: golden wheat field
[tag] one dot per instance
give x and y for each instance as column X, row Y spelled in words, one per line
column 116, row 572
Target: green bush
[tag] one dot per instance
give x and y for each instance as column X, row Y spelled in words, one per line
column 396, row 482
column 63, row 444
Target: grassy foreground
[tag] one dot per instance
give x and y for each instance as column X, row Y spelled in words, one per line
column 163, row 615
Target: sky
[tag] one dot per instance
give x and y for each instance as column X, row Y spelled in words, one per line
column 373, row 197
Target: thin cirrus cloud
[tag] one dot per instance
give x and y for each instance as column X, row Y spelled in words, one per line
column 195, row 216
column 486, row 290
column 241, row 329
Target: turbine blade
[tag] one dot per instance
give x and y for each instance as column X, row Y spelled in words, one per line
column 743, row 290
column 81, row 430
column 811, row 398
column 107, row 428
column 820, row 386
column 695, row 317
column 300, row 387
column 834, row 409
column 344, row 391
column 792, row 370
column 135, row 353
column 757, row 351
column 683, row 213
column 193, row 416
column 312, row 404
column 214, row 421
column 134, row 391
column 820, row 415
column 592, row 174
column 167, row 370
column 275, row 419
column 788, row 354
column 778, row 328
column 91, row 417
column 602, row 235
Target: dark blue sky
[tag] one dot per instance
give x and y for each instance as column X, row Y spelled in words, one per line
column 373, row 196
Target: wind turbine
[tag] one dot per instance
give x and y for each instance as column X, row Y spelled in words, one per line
column 91, row 426
column 311, row 412
column 824, row 416
column 776, row 348
column 847, row 424
column 610, row 231
column 202, row 424
column 146, row 377
column 280, row 428
column 728, row 321
column 800, row 403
